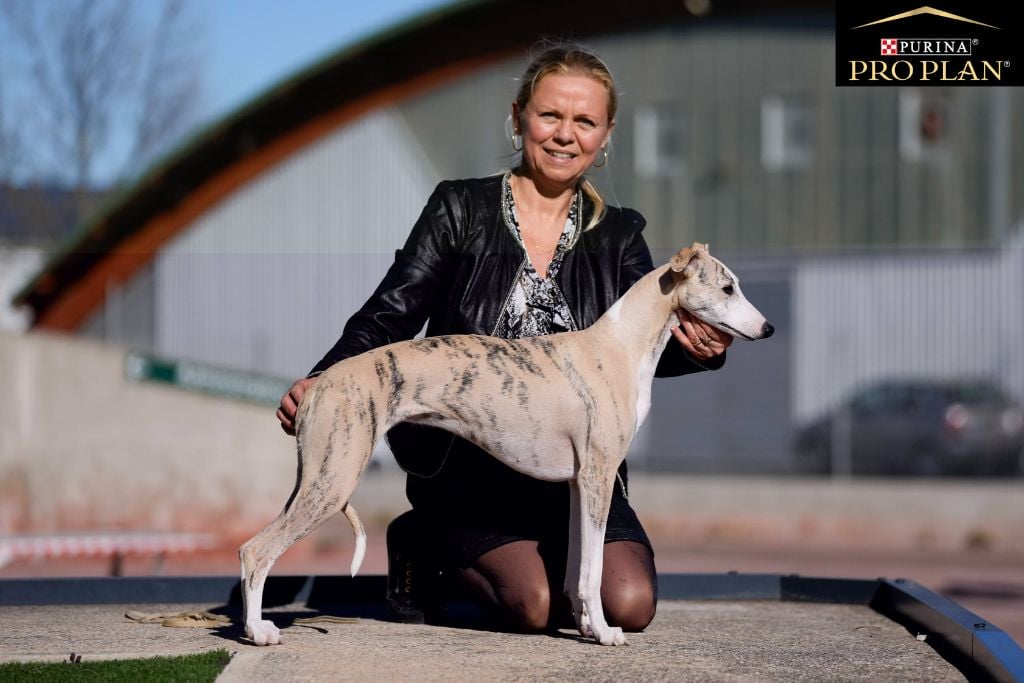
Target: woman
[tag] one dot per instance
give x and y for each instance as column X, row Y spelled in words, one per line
column 533, row 251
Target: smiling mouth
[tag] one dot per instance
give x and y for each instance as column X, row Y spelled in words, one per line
column 560, row 155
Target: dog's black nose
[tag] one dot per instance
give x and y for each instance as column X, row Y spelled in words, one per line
column 767, row 330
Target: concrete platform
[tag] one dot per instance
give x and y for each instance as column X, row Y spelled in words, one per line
column 744, row 628
column 689, row 640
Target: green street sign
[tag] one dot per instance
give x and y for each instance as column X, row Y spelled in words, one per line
column 207, row 379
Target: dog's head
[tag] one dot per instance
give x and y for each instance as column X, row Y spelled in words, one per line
column 705, row 287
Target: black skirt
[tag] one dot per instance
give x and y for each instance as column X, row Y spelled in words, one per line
column 471, row 503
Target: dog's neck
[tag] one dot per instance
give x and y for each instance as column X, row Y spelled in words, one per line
column 639, row 321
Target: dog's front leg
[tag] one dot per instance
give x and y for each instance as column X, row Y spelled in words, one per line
column 591, row 498
column 573, row 562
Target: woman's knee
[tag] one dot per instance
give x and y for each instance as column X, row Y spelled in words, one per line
column 629, row 590
column 526, row 606
column 518, row 583
column 630, row 605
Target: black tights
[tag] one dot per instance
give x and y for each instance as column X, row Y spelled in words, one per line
column 524, row 588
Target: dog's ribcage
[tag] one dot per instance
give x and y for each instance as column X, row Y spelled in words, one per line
column 525, row 401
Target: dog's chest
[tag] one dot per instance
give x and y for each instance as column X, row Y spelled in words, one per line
column 645, row 377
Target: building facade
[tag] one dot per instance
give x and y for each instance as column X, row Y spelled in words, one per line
column 730, row 131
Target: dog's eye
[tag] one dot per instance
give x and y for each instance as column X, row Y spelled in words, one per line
column 728, row 290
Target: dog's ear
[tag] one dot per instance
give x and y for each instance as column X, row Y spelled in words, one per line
column 686, row 260
column 679, row 260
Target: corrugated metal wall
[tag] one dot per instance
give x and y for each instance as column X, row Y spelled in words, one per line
column 267, row 279
column 944, row 314
column 862, row 175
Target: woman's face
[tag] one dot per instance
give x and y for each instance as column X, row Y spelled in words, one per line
column 564, row 126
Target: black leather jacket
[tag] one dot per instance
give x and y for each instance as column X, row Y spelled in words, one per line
column 460, row 263
column 455, row 273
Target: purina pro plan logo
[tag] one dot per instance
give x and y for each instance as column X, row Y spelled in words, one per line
column 904, row 43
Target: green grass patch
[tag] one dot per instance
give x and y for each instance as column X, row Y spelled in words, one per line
column 201, row 668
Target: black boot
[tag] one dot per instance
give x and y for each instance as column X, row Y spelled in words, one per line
column 412, row 584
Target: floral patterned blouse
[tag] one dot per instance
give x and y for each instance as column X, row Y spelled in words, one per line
column 534, row 305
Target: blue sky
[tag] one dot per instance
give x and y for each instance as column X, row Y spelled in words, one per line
column 247, row 46
column 252, row 44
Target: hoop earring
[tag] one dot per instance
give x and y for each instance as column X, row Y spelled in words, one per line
column 516, row 138
column 603, row 162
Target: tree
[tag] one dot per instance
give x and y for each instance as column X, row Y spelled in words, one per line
column 11, row 153
column 101, row 86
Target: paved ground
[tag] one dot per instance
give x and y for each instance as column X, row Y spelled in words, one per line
column 688, row 641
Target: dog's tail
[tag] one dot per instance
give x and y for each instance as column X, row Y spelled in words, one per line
column 357, row 527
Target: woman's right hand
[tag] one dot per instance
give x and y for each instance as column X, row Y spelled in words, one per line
column 290, row 404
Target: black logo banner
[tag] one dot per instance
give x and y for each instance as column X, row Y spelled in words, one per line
column 947, row 43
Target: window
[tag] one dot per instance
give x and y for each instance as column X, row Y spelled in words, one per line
column 787, row 133
column 660, row 141
column 924, row 125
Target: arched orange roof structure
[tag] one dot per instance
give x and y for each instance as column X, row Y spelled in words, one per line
column 385, row 69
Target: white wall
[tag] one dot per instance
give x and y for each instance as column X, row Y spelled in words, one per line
column 943, row 314
column 17, row 266
column 82, row 448
column 266, row 280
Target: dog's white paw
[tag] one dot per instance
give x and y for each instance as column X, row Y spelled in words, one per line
column 263, row 632
column 613, row 635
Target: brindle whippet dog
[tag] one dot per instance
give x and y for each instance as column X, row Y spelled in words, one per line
column 562, row 407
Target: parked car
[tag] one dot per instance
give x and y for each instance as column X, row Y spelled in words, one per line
column 917, row 427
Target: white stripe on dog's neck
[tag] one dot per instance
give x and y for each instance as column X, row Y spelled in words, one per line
column 615, row 311
column 645, row 374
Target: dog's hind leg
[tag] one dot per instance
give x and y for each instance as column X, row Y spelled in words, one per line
column 303, row 515
column 321, row 492
column 590, row 495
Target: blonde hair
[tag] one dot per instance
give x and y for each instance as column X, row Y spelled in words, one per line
column 566, row 58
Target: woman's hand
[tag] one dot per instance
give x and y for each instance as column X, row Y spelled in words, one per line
column 702, row 341
column 290, row 403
